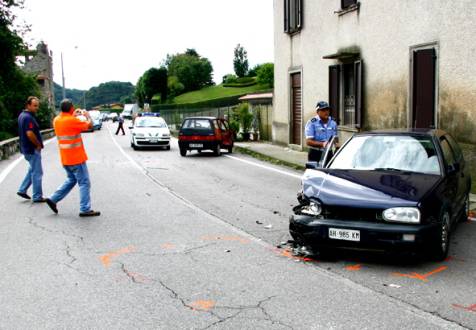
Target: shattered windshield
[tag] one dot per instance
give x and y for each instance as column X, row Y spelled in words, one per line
column 389, row 152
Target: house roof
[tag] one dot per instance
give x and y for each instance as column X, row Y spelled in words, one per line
column 258, row 98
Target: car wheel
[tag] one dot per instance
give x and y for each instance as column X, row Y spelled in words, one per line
column 183, row 152
column 230, row 149
column 465, row 214
column 441, row 245
column 167, row 147
column 217, row 150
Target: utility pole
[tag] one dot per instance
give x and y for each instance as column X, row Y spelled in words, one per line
column 62, row 75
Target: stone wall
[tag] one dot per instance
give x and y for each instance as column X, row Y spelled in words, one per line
column 12, row 146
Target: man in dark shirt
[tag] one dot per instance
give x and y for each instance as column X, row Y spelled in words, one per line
column 31, row 144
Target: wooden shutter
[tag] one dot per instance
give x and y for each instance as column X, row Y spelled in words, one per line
column 286, row 15
column 347, row 3
column 296, row 120
column 300, row 14
column 424, row 65
column 358, row 75
column 334, row 91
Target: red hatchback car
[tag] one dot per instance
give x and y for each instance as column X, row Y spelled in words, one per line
column 205, row 133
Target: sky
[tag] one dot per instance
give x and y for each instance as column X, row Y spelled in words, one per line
column 118, row 40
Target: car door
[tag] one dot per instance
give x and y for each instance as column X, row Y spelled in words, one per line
column 453, row 193
column 464, row 180
column 329, row 151
column 226, row 132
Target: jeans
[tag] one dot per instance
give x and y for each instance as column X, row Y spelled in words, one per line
column 33, row 176
column 75, row 174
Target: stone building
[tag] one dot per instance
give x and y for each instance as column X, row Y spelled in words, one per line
column 40, row 64
column 379, row 63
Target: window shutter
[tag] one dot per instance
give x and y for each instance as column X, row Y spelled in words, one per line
column 358, row 70
column 334, row 91
column 347, row 3
column 300, row 14
column 286, row 15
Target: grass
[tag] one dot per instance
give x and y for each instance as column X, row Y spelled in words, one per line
column 216, row 92
column 268, row 159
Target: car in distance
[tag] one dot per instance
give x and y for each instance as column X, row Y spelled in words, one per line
column 205, row 133
column 112, row 116
column 96, row 118
column 401, row 190
column 150, row 131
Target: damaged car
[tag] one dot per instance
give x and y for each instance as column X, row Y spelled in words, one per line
column 384, row 190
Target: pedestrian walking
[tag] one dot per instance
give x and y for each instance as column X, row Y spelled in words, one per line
column 31, row 144
column 120, row 123
column 68, row 130
column 319, row 130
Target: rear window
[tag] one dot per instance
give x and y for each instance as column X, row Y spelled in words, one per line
column 197, row 124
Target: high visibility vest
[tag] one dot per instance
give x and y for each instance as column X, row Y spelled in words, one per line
column 68, row 130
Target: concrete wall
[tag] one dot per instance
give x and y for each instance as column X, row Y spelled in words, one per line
column 384, row 32
column 12, row 146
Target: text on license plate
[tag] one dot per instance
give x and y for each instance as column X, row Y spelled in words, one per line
column 344, row 234
column 196, row 145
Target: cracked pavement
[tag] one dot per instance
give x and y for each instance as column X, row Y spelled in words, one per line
column 170, row 252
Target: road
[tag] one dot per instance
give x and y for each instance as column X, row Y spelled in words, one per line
column 191, row 243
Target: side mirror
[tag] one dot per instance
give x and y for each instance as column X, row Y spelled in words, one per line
column 313, row 165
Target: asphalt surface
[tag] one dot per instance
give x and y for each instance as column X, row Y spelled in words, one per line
column 190, row 242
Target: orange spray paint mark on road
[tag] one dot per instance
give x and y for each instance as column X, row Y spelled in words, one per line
column 167, row 246
column 288, row 254
column 471, row 308
column 106, row 258
column 226, row 238
column 202, row 305
column 422, row 277
column 354, row 268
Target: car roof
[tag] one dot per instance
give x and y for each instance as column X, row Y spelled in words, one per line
column 406, row 131
column 203, row 117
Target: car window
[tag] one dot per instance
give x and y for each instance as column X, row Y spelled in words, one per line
column 401, row 152
column 447, row 152
column 456, row 149
column 150, row 122
column 222, row 125
column 197, row 124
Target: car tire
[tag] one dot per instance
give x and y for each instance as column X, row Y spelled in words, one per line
column 465, row 213
column 441, row 246
column 230, row 149
column 183, row 152
column 167, row 147
column 217, row 150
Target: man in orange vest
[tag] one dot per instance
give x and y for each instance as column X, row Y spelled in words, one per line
column 68, row 130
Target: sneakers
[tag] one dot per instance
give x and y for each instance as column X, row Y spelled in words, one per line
column 90, row 213
column 24, row 195
column 41, row 200
column 52, row 205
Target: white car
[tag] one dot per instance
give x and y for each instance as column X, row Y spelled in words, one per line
column 150, row 131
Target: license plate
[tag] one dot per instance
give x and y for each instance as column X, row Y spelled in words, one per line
column 344, row 234
column 153, row 140
column 196, row 145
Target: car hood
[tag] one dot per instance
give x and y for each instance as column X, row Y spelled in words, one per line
column 367, row 189
column 151, row 131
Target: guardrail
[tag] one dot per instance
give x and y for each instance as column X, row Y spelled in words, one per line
column 12, row 146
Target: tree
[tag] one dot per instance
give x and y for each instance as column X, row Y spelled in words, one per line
column 193, row 71
column 265, row 74
column 109, row 92
column 240, row 61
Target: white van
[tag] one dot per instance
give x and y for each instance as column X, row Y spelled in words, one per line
column 129, row 111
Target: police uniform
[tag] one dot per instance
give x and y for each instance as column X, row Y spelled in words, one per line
column 321, row 132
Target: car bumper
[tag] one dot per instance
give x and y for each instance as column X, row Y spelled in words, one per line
column 198, row 145
column 376, row 236
column 147, row 142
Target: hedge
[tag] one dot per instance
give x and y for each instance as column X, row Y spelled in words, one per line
column 237, row 84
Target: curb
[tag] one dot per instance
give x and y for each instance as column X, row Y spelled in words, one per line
column 264, row 157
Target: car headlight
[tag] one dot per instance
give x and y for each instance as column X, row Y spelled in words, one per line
column 402, row 214
column 314, row 209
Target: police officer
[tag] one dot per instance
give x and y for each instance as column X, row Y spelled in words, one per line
column 319, row 130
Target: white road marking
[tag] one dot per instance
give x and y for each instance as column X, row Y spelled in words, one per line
column 265, row 167
column 17, row 161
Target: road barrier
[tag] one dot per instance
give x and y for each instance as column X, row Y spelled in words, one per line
column 12, row 146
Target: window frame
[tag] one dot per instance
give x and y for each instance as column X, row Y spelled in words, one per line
column 345, row 4
column 293, row 16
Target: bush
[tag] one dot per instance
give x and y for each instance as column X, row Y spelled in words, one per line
column 265, row 74
column 229, row 79
column 246, row 117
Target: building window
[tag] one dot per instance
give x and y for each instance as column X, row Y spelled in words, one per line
column 41, row 82
column 293, row 14
column 345, row 93
column 347, row 3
